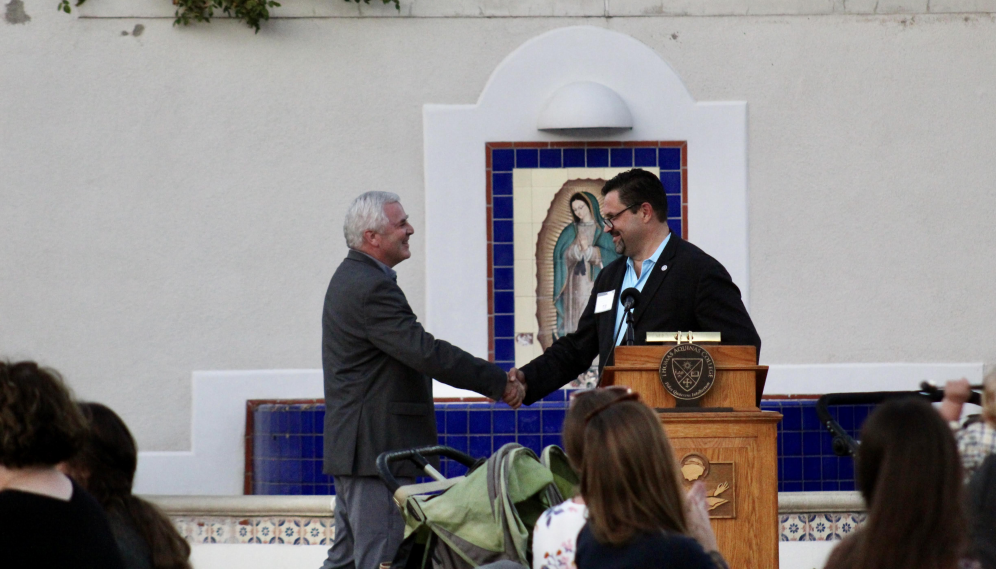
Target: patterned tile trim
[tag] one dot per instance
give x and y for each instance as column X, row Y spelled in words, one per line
column 321, row 531
column 819, row 527
column 286, row 530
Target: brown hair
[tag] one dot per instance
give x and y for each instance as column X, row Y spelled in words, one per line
column 633, row 487
column 39, row 423
column 638, row 186
column 909, row 474
column 106, row 468
column 583, row 403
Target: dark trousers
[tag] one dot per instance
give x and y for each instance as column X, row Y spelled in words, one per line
column 368, row 526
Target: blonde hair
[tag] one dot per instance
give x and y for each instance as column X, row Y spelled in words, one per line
column 989, row 397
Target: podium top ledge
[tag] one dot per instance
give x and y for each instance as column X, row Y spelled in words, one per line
column 649, row 356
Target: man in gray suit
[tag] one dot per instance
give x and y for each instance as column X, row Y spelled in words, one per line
column 378, row 363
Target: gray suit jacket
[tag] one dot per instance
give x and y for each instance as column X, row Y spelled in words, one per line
column 378, row 363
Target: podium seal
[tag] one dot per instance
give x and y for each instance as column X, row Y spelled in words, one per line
column 687, row 372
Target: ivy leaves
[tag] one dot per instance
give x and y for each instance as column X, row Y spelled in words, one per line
column 64, row 5
column 252, row 12
column 397, row 3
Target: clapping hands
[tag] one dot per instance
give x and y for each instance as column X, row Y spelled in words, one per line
column 697, row 517
column 515, row 389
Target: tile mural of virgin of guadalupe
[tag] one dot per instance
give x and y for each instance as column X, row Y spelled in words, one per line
column 572, row 248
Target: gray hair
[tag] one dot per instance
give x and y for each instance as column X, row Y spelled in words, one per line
column 366, row 213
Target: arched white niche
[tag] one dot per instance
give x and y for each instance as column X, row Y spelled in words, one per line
column 509, row 110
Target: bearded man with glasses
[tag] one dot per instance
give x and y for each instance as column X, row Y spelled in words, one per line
column 682, row 289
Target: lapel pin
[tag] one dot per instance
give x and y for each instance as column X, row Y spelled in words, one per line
column 664, row 267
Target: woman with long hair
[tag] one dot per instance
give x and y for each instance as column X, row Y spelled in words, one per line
column 637, row 514
column 908, row 471
column 106, row 468
column 681, row 522
column 556, row 532
column 46, row 519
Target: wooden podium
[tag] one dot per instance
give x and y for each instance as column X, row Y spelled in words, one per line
column 733, row 451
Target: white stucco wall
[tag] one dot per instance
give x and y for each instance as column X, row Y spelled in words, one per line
column 172, row 201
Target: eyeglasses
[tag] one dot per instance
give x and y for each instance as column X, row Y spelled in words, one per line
column 610, row 219
column 624, row 394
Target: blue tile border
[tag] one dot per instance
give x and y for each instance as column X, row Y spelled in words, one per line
column 286, row 440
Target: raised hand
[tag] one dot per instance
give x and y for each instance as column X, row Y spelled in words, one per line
column 956, row 393
column 697, row 517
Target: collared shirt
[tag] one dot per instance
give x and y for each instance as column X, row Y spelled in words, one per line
column 630, row 280
column 976, row 441
column 388, row 270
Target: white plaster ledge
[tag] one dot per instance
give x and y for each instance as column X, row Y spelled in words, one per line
column 559, row 8
column 295, row 506
column 322, row 506
column 819, row 502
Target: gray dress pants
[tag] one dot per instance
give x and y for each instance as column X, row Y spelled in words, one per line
column 368, row 526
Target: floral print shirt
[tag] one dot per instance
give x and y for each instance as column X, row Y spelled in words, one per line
column 556, row 534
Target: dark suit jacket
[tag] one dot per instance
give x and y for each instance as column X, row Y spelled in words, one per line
column 694, row 293
column 378, row 363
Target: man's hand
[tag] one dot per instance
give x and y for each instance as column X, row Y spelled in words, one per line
column 956, row 393
column 515, row 389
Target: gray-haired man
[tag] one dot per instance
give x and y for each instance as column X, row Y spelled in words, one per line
column 378, row 363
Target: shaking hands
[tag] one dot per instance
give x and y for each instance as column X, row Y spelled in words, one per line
column 515, row 389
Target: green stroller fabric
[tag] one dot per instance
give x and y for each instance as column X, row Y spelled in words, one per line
column 565, row 478
column 488, row 516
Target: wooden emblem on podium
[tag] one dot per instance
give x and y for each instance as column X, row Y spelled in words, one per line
column 687, row 372
column 719, row 480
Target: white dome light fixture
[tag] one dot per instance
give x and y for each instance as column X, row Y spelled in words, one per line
column 585, row 107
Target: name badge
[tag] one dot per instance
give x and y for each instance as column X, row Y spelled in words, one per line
column 603, row 302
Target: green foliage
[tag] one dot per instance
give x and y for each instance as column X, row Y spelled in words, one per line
column 64, row 5
column 397, row 3
column 252, row 12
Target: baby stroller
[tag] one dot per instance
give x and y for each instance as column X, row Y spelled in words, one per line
column 485, row 516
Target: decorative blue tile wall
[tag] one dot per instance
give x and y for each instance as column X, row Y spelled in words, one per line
column 806, row 461
column 287, row 450
column 503, row 158
column 287, row 441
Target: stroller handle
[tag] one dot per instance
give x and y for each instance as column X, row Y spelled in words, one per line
column 417, row 455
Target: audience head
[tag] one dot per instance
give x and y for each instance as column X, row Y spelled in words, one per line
column 106, row 464
column 582, row 403
column 106, row 468
column 909, row 472
column 989, row 398
column 39, row 423
column 633, row 486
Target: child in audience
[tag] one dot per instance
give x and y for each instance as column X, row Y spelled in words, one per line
column 106, row 468
column 977, row 438
column 46, row 519
column 555, row 539
column 908, row 472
